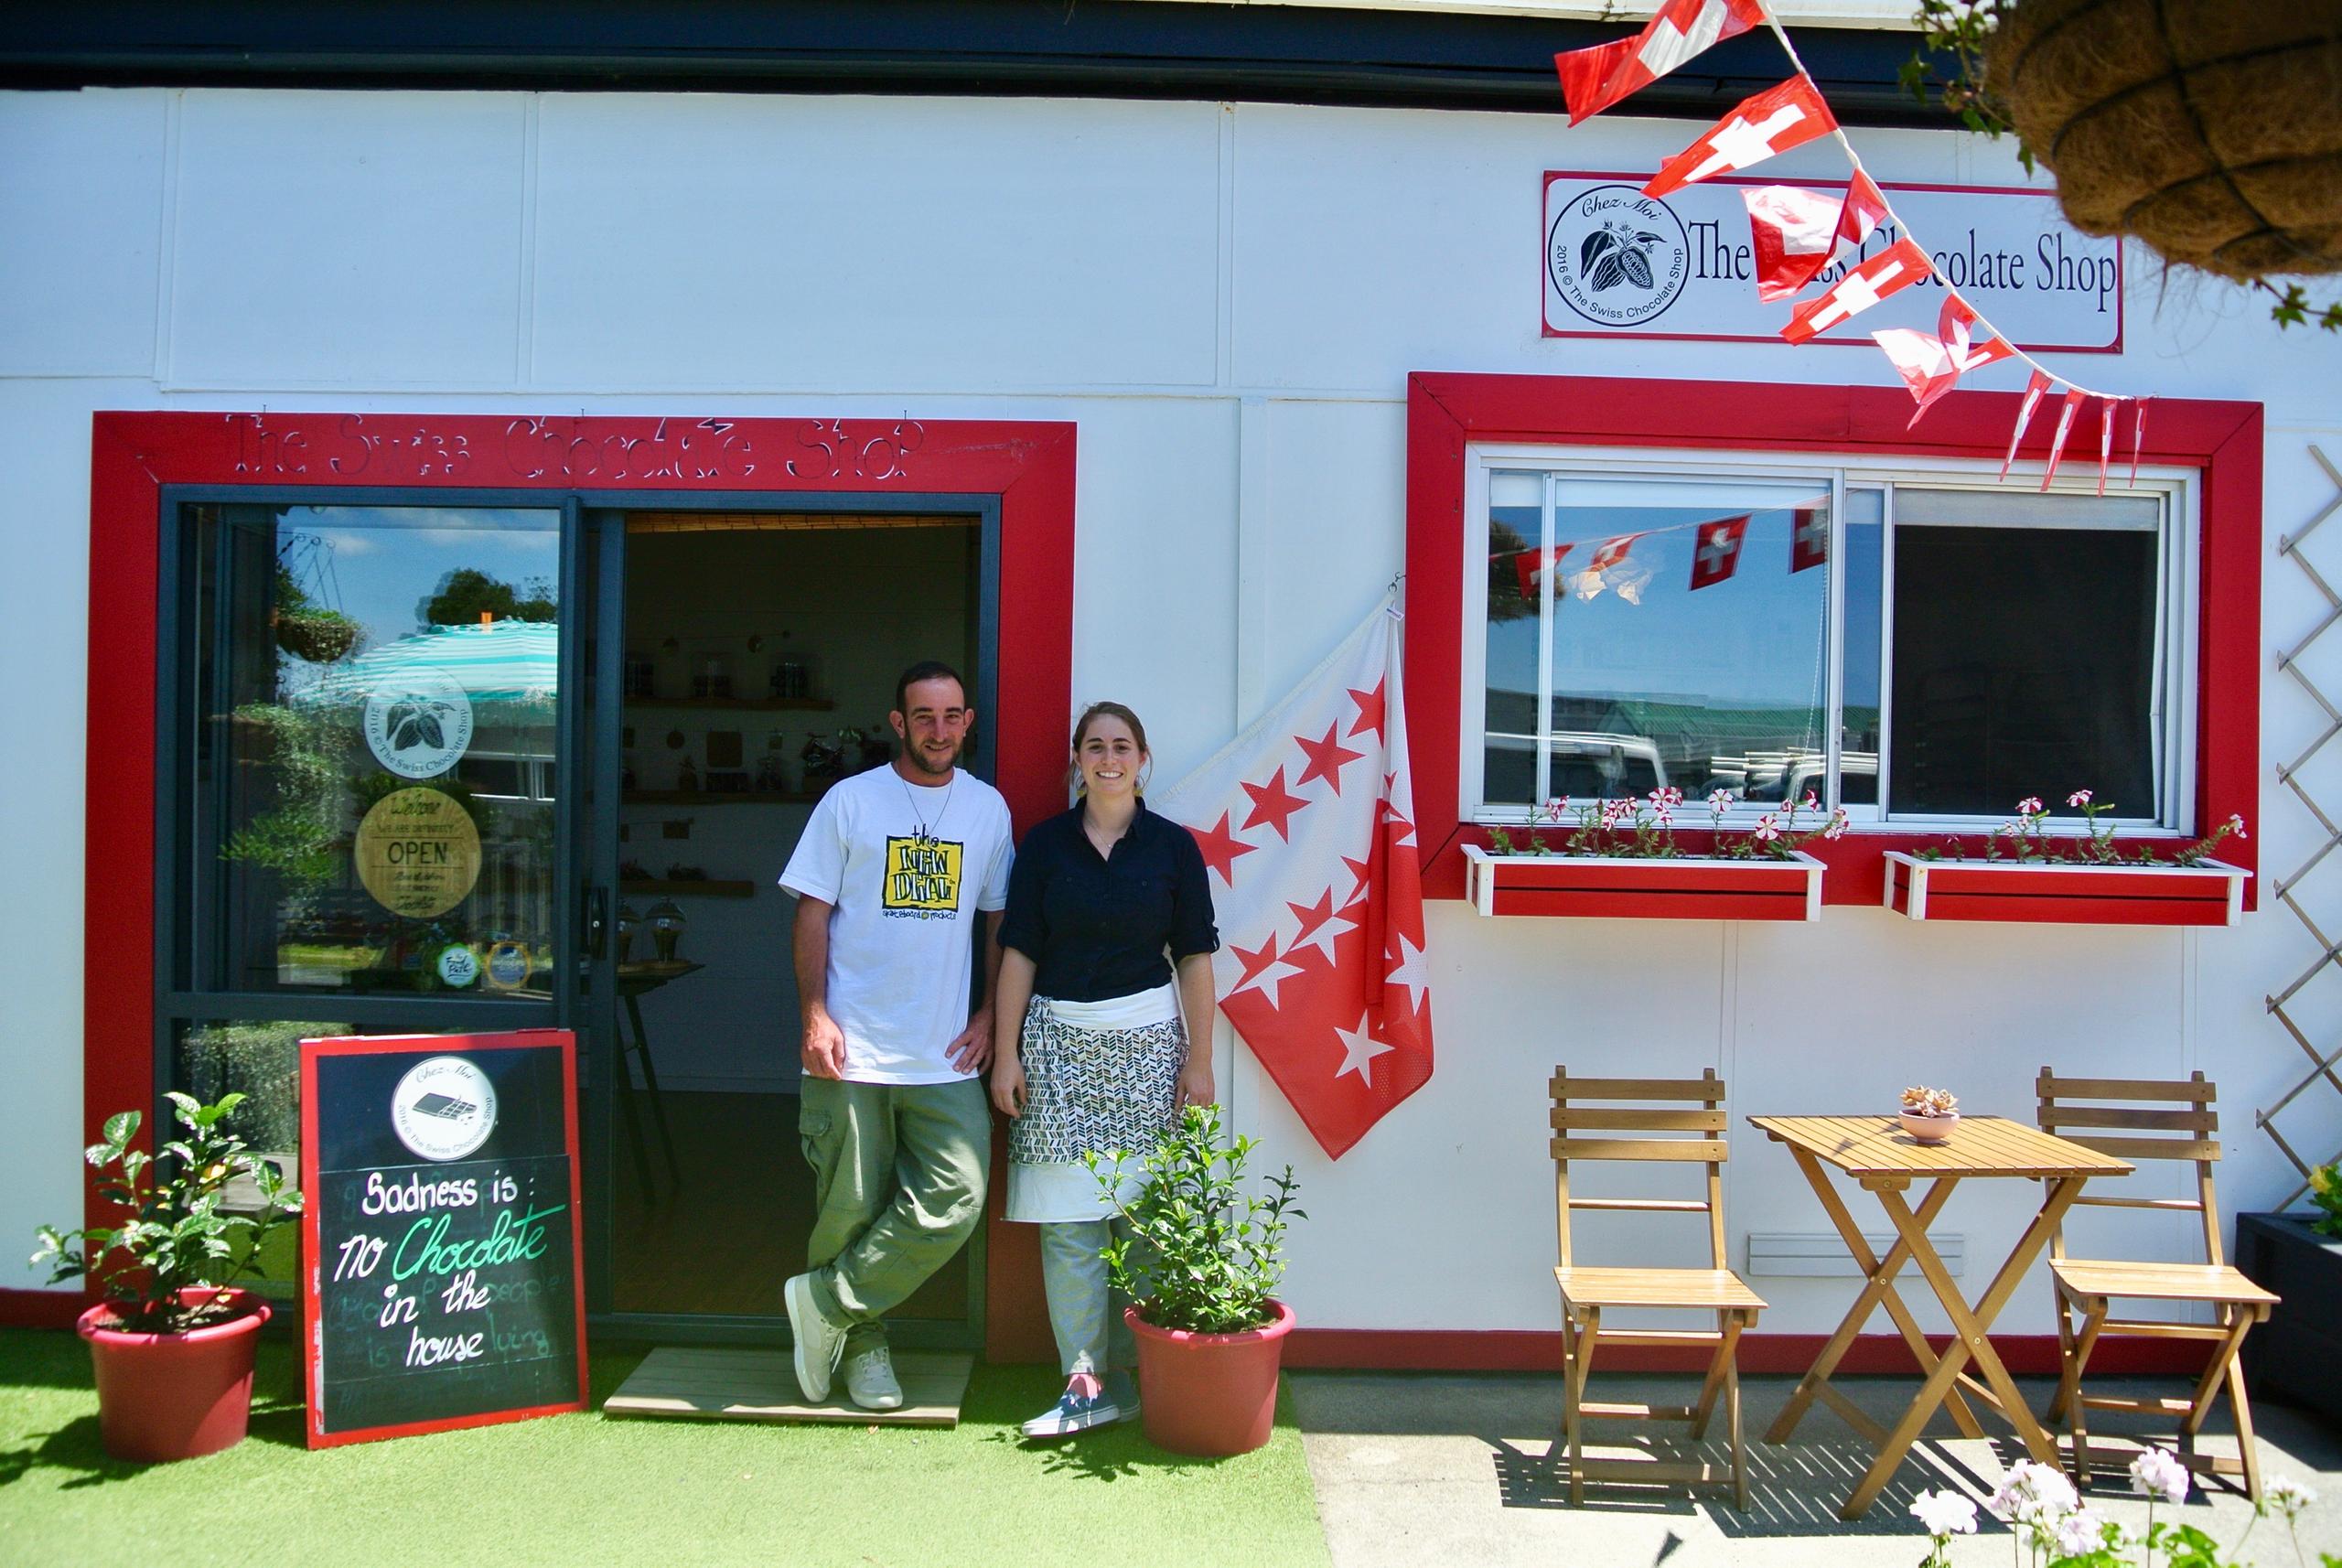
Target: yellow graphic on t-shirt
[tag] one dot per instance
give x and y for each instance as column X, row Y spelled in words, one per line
column 922, row 873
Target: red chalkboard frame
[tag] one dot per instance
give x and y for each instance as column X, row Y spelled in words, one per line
column 313, row 1257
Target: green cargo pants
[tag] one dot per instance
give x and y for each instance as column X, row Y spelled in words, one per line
column 898, row 1187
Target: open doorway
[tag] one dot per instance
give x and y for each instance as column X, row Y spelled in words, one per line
column 760, row 654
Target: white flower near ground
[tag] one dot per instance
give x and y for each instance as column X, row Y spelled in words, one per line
column 2287, row 1496
column 2079, row 1532
column 2157, row 1473
column 2034, row 1494
column 1945, row 1513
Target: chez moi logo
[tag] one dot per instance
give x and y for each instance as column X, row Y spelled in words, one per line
column 444, row 1108
column 1616, row 256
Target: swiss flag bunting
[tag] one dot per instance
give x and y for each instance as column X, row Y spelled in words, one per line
column 2035, row 386
column 1716, row 555
column 1896, row 267
column 1791, row 233
column 2074, row 396
column 1610, row 552
column 1861, row 212
column 1527, row 565
column 1771, row 122
column 1322, row 971
column 1810, row 543
column 1594, row 79
column 2105, row 439
column 2138, row 435
column 1932, row 363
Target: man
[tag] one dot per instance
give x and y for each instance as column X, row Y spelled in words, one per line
column 891, row 871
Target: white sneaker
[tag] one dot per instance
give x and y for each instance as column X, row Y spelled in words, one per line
column 870, row 1381
column 819, row 1341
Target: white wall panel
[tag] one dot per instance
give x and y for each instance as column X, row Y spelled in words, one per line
column 355, row 239
column 908, row 242
column 80, row 192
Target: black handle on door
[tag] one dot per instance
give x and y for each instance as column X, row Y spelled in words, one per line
column 597, row 921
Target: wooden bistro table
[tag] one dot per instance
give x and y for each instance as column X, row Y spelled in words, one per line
column 1885, row 1160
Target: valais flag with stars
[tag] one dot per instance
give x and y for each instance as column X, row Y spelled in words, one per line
column 1306, row 822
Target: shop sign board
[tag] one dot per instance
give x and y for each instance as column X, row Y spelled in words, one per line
column 1682, row 265
column 442, row 1263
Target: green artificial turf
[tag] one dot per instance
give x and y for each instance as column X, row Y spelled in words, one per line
column 581, row 1489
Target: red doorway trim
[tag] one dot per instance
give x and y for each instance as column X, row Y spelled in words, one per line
column 1447, row 412
column 1028, row 464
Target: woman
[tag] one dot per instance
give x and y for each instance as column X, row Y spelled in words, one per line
column 1098, row 1046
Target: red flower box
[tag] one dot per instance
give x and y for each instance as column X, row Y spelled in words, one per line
column 2210, row 893
column 1610, row 887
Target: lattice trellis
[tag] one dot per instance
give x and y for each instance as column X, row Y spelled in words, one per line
column 2329, row 950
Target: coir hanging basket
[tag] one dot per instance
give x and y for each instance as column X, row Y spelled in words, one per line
column 2210, row 130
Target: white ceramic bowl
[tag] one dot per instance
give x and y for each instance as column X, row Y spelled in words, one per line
column 1929, row 1129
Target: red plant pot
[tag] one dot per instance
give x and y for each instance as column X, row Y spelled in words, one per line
column 175, row 1396
column 1208, row 1394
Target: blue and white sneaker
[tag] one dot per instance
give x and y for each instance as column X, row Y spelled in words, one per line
column 1076, row 1413
column 1123, row 1390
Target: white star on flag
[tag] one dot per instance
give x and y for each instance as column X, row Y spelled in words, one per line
column 1408, row 971
column 1354, row 969
column 1359, row 1048
column 1895, row 268
column 1771, row 122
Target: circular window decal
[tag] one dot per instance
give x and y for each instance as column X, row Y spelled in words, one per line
column 444, row 1108
column 1618, row 257
column 418, row 724
column 417, row 852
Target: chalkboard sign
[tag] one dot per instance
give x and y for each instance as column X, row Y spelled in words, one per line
column 443, row 1262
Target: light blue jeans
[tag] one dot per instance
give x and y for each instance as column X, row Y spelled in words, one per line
column 1085, row 1315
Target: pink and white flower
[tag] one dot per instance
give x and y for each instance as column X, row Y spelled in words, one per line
column 2079, row 1533
column 2157, row 1473
column 2030, row 806
column 1944, row 1514
column 1556, row 808
column 1767, row 829
column 2236, row 824
column 1838, row 821
column 1719, row 800
column 2079, row 798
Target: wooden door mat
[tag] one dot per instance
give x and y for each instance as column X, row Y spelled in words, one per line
column 696, row 1384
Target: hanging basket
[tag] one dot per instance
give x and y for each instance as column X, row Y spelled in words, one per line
column 319, row 635
column 2209, row 130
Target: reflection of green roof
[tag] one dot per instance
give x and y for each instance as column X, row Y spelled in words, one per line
column 515, row 663
column 1729, row 729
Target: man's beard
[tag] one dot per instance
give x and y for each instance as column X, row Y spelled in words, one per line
column 919, row 760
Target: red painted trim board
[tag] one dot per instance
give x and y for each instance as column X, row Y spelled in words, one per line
column 1769, row 1355
column 42, row 1308
column 1028, row 464
column 1445, row 412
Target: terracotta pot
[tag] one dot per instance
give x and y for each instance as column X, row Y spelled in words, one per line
column 1927, row 1129
column 1208, row 1394
column 175, row 1396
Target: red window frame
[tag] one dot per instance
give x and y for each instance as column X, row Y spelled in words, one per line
column 1028, row 464
column 1448, row 412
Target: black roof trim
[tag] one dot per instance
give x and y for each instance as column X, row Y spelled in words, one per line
column 1112, row 49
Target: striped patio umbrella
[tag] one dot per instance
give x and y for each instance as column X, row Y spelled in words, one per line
column 507, row 667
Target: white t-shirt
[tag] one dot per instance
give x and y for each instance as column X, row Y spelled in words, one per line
column 899, row 934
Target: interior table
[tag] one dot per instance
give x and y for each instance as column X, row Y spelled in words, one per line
column 1885, row 1161
column 634, row 979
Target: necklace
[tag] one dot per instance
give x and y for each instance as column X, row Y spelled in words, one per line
column 927, row 835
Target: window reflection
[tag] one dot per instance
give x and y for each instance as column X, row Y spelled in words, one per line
column 375, row 707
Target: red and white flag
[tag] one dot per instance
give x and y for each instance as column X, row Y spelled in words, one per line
column 2074, row 396
column 1306, row 822
column 1771, row 122
column 1716, row 554
column 1810, row 543
column 1896, row 267
column 1528, row 563
column 2035, row 386
column 2105, row 439
column 1594, row 79
column 2138, row 435
column 1793, row 232
column 1611, row 551
column 1931, row 363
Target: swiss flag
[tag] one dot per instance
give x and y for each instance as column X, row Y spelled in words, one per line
column 2073, row 398
column 1793, row 232
column 1612, row 551
column 1594, row 79
column 1772, row 122
column 1526, row 563
column 1932, row 363
column 1323, row 972
column 1809, row 544
column 1896, row 267
column 2035, row 386
column 1716, row 554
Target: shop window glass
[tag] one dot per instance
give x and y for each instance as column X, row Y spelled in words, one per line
column 374, row 713
column 1977, row 645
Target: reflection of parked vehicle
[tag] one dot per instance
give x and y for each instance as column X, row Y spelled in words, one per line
column 1810, row 771
column 1586, row 764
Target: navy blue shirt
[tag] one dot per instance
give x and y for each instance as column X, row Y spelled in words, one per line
column 1097, row 927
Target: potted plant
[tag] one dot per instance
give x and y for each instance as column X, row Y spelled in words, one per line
column 171, row 1338
column 1200, row 1265
column 2297, row 1353
column 2023, row 873
column 1622, row 859
column 1929, row 1114
column 2205, row 131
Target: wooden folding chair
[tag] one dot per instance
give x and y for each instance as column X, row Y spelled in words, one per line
column 2087, row 1287
column 1647, row 1133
